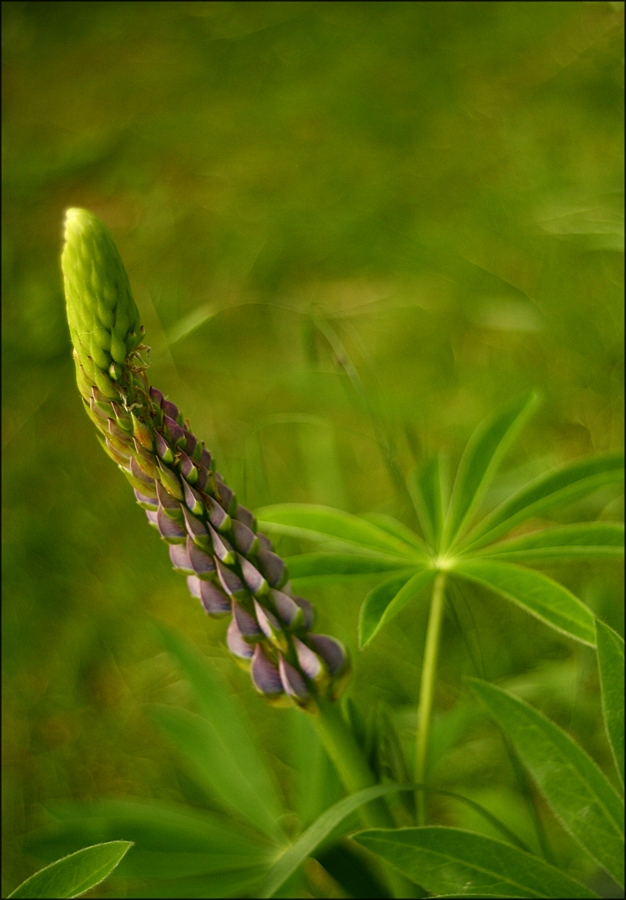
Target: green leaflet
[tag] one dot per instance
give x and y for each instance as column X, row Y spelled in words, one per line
column 611, row 664
column 322, row 567
column 450, row 860
column 427, row 487
column 536, row 593
column 232, row 738
column 588, row 539
column 393, row 526
column 215, row 768
column 561, row 485
column 482, row 456
column 307, row 843
column 571, row 782
column 170, row 840
column 323, row 522
column 74, row 874
column 388, row 598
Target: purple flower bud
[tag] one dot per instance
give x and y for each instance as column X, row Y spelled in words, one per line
column 332, row 651
column 288, row 612
column 157, row 396
column 264, row 541
column 231, row 583
column 265, row 675
column 146, row 502
column 174, row 431
column 227, row 497
column 191, row 442
column 170, row 409
column 121, row 457
column 200, row 561
column 236, row 644
column 243, row 514
column 170, row 482
column 307, row 660
column 268, row 623
column 171, row 506
column 246, row 623
column 180, row 559
column 193, row 500
column 138, row 474
column 170, row 530
column 217, row 517
column 97, row 410
column 187, row 468
column 292, row 680
column 152, row 517
column 307, row 610
column 205, row 458
column 203, row 475
column 252, row 577
column 196, row 529
column 221, row 547
column 141, row 432
column 244, row 538
column 163, row 449
column 272, row 567
column 116, row 432
column 214, row 601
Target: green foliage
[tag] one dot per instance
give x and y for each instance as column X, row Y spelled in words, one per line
column 75, row 874
column 611, row 664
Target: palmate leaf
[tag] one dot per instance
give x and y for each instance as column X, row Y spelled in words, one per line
column 588, row 539
column 534, row 592
column 576, row 789
column 171, row 841
column 323, row 522
column 428, row 490
column 308, row 842
column 74, row 874
column 561, row 485
column 451, row 861
column 482, row 456
column 611, row 663
column 388, row 598
column 322, row 567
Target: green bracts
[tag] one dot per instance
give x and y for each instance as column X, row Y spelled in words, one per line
column 231, row 568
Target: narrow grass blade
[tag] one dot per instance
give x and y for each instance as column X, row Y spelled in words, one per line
column 328, row 567
column 308, row 842
column 74, row 874
column 479, row 463
column 215, row 768
column 561, row 485
column 171, row 841
column 232, row 737
column 451, row 860
column 534, row 592
column 427, row 489
column 576, row 789
column 588, row 539
column 322, row 522
column 388, row 598
column 611, row 664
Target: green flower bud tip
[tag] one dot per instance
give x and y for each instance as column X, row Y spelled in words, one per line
column 100, row 308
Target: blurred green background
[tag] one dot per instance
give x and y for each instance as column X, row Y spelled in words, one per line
column 352, row 229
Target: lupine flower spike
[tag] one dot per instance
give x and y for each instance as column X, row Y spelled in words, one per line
column 231, row 567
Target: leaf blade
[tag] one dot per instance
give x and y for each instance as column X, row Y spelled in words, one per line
column 536, row 593
column 578, row 792
column 326, row 565
column 610, row 647
column 388, row 598
column 72, row 875
column 445, row 860
column 584, row 539
column 482, row 456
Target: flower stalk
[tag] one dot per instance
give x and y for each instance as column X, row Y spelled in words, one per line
column 231, row 567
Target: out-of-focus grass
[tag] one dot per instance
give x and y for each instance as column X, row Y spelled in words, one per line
column 352, row 230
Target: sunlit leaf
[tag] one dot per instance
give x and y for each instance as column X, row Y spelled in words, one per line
column 307, row 843
column 556, row 487
column 588, row 539
column 74, row 874
column 576, row 789
column 534, row 592
column 234, row 747
column 611, row 664
column 388, row 598
column 479, row 463
column 323, row 522
column 450, row 860
column 393, row 526
column 427, row 489
column 328, row 567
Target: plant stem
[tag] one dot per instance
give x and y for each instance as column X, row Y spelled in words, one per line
column 427, row 688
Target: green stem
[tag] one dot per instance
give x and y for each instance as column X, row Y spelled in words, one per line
column 427, row 687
